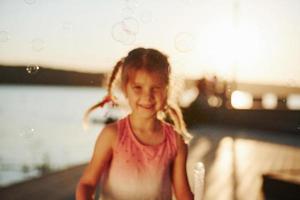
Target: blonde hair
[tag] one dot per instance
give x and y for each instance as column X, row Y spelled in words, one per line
column 150, row 60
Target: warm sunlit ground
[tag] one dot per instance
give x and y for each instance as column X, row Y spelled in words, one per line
column 234, row 160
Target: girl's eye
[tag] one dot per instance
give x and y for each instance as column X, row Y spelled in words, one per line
column 137, row 88
column 156, row 89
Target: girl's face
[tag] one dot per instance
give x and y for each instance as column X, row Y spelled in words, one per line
column 146, row 93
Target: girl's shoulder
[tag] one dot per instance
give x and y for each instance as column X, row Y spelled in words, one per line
column 109, row 133
column 168, row 125
column 171, row 128
column 177, row 137
column 111, row 128
column 112, row 131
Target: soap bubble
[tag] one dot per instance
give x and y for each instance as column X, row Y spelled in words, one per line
column 146, row 16
column 28, row 132
column 130, row 25
column 132, row 3
column 187, row 1
column 37, row 44
column 67, row 26
column 30, row 2
column 4, row 36
column 122, row 35
column 184, row 42
column 32, row 69
column 291, row 82
column 128, row 12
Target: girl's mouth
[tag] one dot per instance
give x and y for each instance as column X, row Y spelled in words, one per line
column 147, row 106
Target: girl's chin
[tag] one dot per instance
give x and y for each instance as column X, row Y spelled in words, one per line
column 146, row 112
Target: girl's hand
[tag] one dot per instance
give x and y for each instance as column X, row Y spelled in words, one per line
column 102, row 155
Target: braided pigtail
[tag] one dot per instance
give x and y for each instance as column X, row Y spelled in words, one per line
column 109, row 97
column 174, row 111
column 113, row 76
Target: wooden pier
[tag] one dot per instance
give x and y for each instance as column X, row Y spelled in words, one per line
column 58, row 185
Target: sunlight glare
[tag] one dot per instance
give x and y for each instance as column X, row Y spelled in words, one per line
column 227, row 46
column 269, row 101
column 241, row 100
column 293, row 102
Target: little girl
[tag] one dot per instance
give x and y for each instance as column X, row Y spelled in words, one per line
column 140, row 156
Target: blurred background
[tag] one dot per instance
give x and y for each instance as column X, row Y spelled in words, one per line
column 236, row 75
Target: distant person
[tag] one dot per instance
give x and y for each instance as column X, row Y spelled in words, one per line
column 140, row 156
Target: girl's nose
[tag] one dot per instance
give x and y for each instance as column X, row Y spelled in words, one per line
column 147, row 95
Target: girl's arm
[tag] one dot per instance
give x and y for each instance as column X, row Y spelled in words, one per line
column 102, row 155
column 179, row 175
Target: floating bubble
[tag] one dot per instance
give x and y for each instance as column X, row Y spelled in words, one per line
column 291, row 82
column 30, row 2
column 38, row 44
column 128, row 12
column 67, row 26
column 187, row 1
column 146, row 17
column 32, row 69
column 130, row 25
column 121, row 35
column 28, row 132
column 132, row 3
column 4, row 36
column 184, row 42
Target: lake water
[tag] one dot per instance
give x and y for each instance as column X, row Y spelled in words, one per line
column 42, row 126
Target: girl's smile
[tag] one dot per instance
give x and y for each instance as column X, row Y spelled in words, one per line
column 148, row 107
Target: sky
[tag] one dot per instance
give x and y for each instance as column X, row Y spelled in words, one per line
column 255, row 41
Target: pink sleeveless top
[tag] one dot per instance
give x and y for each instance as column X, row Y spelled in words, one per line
column 138, row 171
